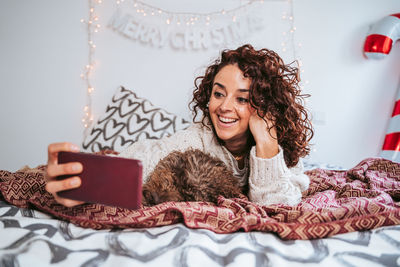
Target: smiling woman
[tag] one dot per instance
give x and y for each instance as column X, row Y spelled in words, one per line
column 258, row 85
column 253, row 121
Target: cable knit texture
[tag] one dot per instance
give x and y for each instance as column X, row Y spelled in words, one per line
column 270, row 180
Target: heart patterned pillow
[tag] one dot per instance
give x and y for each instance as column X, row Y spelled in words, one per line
column 129, row 118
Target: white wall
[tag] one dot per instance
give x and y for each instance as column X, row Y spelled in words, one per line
column 43, row 50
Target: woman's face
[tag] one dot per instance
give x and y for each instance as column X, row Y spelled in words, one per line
column 229, row 106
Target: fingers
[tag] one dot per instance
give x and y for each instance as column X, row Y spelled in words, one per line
column 266, row 116
column 67, row 202
column 54, row 170
column 55, row 186
column 60, row 185
column 64, row 146
column 54, row 148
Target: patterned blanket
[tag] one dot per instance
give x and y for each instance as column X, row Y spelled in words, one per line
column 364, row 197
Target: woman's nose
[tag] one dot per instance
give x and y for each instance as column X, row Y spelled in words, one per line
column 227, row 104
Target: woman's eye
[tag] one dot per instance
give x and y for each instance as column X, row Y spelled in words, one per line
column 243, row 100
column 218, row 94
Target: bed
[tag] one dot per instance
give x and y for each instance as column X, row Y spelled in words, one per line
column 347, row 217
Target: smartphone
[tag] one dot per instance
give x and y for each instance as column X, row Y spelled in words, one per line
column 112, row 181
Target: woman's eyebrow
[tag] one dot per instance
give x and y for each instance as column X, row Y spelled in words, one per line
column 223, row 87
column 219, row 85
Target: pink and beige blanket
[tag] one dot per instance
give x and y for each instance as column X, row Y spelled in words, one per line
column 364, row 197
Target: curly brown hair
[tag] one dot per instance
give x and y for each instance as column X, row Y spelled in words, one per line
column 274, row 90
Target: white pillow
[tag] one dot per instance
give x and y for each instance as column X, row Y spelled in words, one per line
column 128, row 119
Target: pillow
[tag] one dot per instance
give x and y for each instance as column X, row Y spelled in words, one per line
column 129, row 118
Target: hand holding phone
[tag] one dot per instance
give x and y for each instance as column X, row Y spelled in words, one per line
column 107, row 180
column 54, row 169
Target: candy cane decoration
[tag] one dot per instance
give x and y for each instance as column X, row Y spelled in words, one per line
column 377, row 45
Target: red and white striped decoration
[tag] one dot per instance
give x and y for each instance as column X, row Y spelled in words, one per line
column 377, row 45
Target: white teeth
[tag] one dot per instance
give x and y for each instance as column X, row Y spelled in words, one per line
column 226, row 120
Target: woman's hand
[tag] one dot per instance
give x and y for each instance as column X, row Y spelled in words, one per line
column 54, row 169
column 266, row 141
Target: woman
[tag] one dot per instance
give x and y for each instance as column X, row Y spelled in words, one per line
column 252, row 119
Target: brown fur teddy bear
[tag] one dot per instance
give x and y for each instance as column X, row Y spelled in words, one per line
column 190, row 176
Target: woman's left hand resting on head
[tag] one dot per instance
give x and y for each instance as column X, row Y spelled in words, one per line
column 266, row 141
column 286, row 185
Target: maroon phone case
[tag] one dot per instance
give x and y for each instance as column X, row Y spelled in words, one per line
column 107, row 180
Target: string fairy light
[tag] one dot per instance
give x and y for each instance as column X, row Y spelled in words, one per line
column 291, row 40
column 289, row 37
column 92, row 26
column 191, row 18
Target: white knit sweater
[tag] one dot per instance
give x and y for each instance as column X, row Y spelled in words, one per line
column 270, row 180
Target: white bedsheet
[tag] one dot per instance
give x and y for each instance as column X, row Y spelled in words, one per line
column 31, row 238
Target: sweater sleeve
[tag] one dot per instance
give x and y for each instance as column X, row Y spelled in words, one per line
column 272, row 182
column 150, row 152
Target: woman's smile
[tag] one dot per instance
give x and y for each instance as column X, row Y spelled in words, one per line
column 227, row 121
